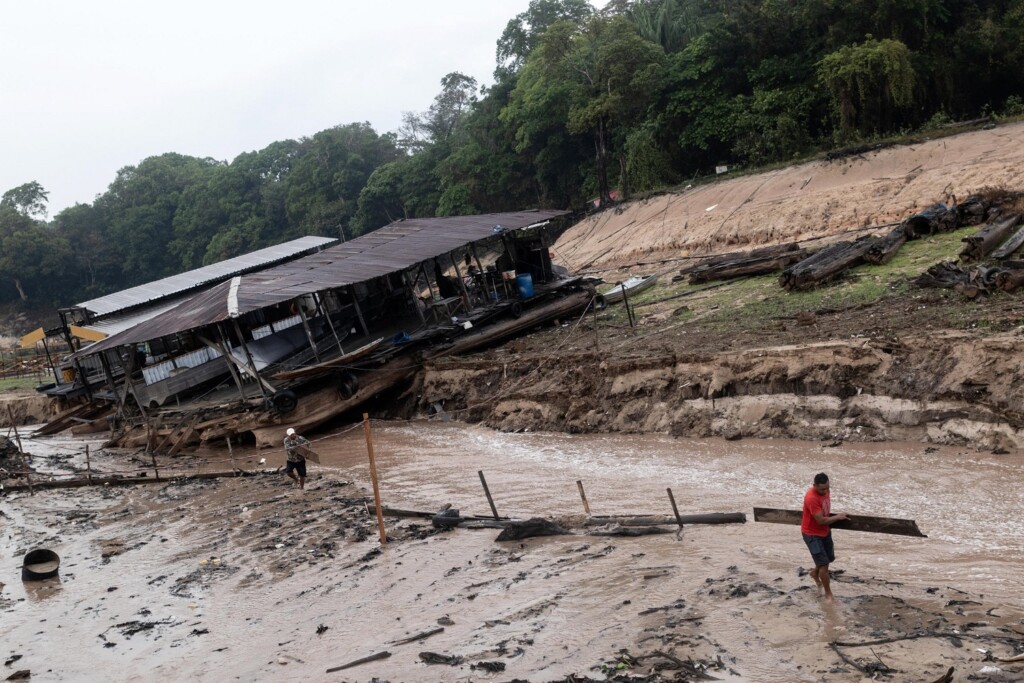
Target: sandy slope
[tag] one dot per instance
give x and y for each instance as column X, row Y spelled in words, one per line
column 810, row 200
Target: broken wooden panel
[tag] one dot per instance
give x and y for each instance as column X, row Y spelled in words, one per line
column 979, row 245
column 877, row 525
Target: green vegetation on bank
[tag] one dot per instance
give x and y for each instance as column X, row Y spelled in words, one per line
column 636, row 97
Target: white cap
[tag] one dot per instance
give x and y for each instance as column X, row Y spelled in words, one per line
column 290, row 431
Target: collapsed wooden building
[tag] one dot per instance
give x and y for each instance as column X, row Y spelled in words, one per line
column 298, row 343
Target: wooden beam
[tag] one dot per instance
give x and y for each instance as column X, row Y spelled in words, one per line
column 877, row 525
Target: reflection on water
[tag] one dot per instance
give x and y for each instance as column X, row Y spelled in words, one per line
column 41, row 590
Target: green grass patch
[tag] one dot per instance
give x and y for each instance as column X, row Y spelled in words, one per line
column 9, row 383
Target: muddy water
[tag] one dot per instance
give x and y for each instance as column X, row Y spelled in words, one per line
column 547, row 608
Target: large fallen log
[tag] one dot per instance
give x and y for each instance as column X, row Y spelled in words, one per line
column 1011, row 245
column 761, row 252
column 885, row 248
column 935, row 219
column 982, row 243
column 655, row 520
column 742, row 267
column 826, row 264
column 972, row 211
column 878, row 525
column 1009, row 280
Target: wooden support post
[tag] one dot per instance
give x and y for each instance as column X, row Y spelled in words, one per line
column 322, row 305
column 248, row 356
column 156, row 470
column 675, row 510
column 359, row 311
column 373, row 478
column 231, row 452
column 14, row 426
column 309, row 332
column 487, row 492
column 629, row 311
column 88, row 464
column 583, row 496
column 462, row 284
column 426, row 278
column 225, row 352
column 416, row 303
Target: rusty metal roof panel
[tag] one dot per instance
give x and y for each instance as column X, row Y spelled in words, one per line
column 182, row 282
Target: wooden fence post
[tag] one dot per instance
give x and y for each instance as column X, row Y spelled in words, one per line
column 373, row 478
column 583, row 496
column 88, row 463
column 487, row 492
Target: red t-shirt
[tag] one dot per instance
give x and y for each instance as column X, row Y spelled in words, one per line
column 814, row 503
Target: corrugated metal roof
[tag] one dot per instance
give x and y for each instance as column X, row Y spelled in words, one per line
column 391, row 249
column 182, row 282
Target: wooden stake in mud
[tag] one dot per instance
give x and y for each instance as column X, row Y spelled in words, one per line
column 88, row 463
column 487, row 492
column 675, row 510
column 231, row 452
column 156, row 470
column 629, row 309
column 373, row 478
column 583, row 496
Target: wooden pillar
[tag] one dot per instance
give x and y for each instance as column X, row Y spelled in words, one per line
column 248, row 356
column 330, row 323
column 487, row 492
column 462, row 285
column 583, row 496
column 373, row 479
column 107, row 373
column 415, row 299
column 359, row 312
column 309, row 332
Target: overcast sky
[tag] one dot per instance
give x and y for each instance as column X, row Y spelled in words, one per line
column 87, row 88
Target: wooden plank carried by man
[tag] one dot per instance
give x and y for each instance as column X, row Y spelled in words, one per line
column 877, row 525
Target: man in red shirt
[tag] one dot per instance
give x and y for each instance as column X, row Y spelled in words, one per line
column 816, row 529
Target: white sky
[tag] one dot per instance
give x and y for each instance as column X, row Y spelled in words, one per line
column 87, row 88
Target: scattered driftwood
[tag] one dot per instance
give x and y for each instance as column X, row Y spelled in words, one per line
column 946, row 677
column 717, row 259
column 979, row 245
column 882, row 250
column 535, row 526
column 1009, row 246
column 935, row 219
column 972, row 283
column 435, row 658
column 656, row 520
column 89, row 412
column 826, row 264
column 364, row 660
column 686, row 667
column 878, row 525
column 419, row 636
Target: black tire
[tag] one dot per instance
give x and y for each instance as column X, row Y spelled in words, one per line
column 516, row 309
column 285, row 401
column 348, row 385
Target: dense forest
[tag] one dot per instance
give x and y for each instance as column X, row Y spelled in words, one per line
column 585, row 103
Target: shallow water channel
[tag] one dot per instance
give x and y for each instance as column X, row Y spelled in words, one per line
column 549, row 607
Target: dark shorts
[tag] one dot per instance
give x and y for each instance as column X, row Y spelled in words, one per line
column 298, row 466
column 821, row 549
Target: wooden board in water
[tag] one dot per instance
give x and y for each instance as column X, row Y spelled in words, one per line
column 878, row 525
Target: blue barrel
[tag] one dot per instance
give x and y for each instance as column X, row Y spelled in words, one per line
column 525, row 282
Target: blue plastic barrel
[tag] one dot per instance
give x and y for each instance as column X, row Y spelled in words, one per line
column 525, row 283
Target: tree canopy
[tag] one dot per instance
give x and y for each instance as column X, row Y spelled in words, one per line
column 631, row 98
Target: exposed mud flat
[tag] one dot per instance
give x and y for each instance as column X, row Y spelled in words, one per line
column 957, row 389
column 251, row 579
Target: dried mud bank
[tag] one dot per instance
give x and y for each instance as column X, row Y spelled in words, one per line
column 25, row 407
column 955, row 390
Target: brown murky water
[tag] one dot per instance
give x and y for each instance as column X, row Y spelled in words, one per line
column 546, row 608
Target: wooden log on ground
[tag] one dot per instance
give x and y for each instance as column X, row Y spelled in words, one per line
column 729, row 270
column 761, row 252
column 655, row 520
column 982, row 243
column 530, row 528
column 945, row 275
column 878, row 525
column 99, row 480
column 425, row 514
column 932, row 220
column 1006, row 249
column 885, row 248
column 972, row 210
column 1009, row 280
column 826, row 264
column 363, row 660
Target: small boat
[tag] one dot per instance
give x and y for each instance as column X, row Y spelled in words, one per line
column 632, row 286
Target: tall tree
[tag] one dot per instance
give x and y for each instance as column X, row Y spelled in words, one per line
column 28, row 199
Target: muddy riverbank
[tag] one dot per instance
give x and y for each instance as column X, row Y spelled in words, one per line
column 251, row 579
